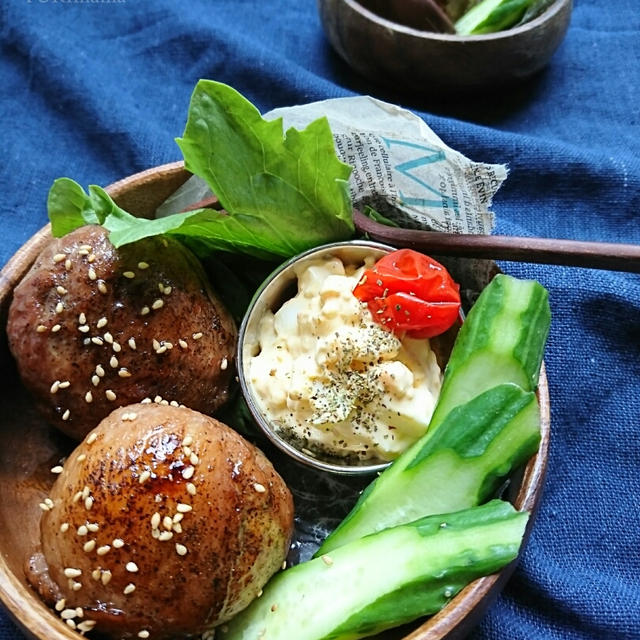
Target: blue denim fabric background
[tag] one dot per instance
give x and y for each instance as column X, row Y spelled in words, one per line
column 98, row 90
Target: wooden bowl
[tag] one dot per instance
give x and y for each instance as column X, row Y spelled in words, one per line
column 424, row 61
column 29, row 448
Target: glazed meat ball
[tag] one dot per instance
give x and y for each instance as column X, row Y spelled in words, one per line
column 162, row 523
column 92, row 327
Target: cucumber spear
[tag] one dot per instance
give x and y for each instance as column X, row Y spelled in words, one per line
column 385, row 579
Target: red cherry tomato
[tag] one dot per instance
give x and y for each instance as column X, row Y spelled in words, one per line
column 407, row 291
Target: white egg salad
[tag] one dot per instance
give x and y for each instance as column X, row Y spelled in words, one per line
column 333, row 380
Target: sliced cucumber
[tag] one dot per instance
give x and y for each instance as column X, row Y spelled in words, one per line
column 383, row 580
column 490, row 16
column 502, row 340
column 451, row 468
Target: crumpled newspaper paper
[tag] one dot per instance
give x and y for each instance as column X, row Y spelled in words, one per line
column 401, row 168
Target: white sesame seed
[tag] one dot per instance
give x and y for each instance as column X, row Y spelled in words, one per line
column 84, row 328
column 131, row 567
column 191, row 488
column 90, row 545
column 118, row 543
column 92, row 436
column 144, row 476
column 158, row 399
column 174, row 403
column 59, row 257
column 197, row 336
column 143, row 634
column 64, row 527
column 92, row 273
column 60, row 605
column 65, row 384
column 57, row 469
column 157, row 304
column 86, row 625
column 260, row 488
column 56, row 328
column 110, row 395
column 41, row 328
column 76, row 586
column 68, row 614
column 143, row 265
column 67, row 264
column 70, row 572
column 103, row 550
column 167, row 523
column 188, row 473
column 113, row 362
column 102, row 287
column 193, row 459
column 108, row 338
column 95, row 380
column 55, row 386
column 88, row 397
column 95, row 574
column 100, row 370
column 186, row 449
column 161, row 287
column 70, row 622
column 93, row 526
column 44, row 506
column 129, row 274
column 97, row 340
column 177, row 527
column 130, row 588
column 284, row 565
column 224, row 364
column 132, row 343
column 105, row 578
column 183, row 343
column 155, row 520
column 188, row 441
column 181, row 550
column 328, row 560
column 76, row 498
column 86, row 492
column 165, row 535
column 88, row 503
column 183, row 508
column 177, row 517
column 82, row 457
column 144, row 311
column 82, row 529
column 155, row 344
column 61, row 290
column 86, row 248
column 124, row 373
column 116, row 347
column 66, row 414
column 91, row 257
column 82, row 319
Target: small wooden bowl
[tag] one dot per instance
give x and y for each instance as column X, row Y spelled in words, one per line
column 29, row 448
column 424, row 61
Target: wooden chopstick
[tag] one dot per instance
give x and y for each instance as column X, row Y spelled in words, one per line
column 574, row 253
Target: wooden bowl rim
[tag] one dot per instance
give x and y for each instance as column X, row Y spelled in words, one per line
column 41, row 624
column 546, row 16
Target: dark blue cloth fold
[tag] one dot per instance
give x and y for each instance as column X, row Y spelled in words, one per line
column 99, row 90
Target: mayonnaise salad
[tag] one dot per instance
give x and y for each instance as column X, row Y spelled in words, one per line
column 330, row 377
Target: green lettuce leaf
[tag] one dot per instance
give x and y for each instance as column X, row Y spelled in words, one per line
column 282, row 193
